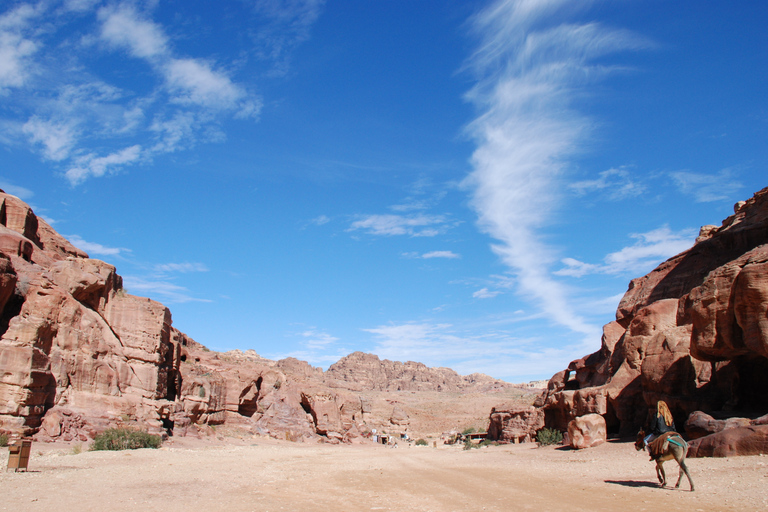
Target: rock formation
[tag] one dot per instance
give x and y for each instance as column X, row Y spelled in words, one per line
column 587, row 431
column 79, row 355
column 360, row 371
column 514, row 424
column 693, row 332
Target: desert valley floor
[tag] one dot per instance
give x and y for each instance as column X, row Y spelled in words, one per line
column 262, row 474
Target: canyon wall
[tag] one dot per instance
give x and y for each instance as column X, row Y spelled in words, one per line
column 78, row 355
column 693, row 332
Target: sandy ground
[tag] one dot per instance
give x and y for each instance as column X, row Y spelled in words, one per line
column 261, row 474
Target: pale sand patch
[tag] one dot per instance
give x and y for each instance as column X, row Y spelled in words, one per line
column 261, row 474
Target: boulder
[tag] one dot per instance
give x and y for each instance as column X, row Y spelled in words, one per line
column 700, row 424
column 587, row 431
column 747, row 440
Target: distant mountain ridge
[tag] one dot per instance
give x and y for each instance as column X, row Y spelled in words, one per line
column 360, row 371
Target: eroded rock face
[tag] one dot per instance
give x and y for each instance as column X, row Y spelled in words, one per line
column 79, row 355
column 693, row 332
column 515, row 424
column 746, row 440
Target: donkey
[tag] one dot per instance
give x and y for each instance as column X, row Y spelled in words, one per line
column 666, row 447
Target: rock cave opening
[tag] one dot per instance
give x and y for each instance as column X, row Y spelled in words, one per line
column 751, row 377
column 12, row 309
column 249, row 399
column 308, row 409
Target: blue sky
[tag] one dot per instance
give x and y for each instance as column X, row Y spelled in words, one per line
column 468, row 184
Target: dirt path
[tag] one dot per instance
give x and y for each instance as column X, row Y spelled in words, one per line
column 266, row 475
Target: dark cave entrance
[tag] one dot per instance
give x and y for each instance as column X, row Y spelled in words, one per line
column 750, row 384
column 249, row 399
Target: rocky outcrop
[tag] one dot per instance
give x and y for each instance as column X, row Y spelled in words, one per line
column 360, row 371
column 514, row 424
column 693, row 332
column 747, row 440
column 79, row 355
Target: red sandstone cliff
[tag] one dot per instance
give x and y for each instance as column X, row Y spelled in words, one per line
column 78, row 355
column 693, row 332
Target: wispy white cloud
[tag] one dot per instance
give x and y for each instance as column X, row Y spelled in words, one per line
column 287, row 25
column 67, row 113
column 93, row 248
column 189, row 80
column 184, row 268
column 15, row 190
column 441, row 254
column 15, row 47
column 121, row 26
column 161, row 290
column 649, row 249
column 320, row 220
column 96, row 166
column 317, row 340
column 393, row 225
column 616, row 183
column 57, row 138
column 485, row 293
column 529, row 68
column 707, row 188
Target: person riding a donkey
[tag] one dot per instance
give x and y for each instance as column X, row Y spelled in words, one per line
column 660, row 423
column 664, row 444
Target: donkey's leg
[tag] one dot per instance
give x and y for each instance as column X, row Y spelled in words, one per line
column 660, row 473
column 683, row 467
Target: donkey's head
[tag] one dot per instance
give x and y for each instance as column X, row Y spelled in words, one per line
column 640, row 442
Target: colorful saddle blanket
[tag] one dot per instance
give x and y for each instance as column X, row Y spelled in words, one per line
column 659, row 446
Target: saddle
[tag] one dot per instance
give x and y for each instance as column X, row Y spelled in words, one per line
column 659, row 446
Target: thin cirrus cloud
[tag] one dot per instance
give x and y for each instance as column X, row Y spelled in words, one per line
column 485, row 293
column 183, row 268
column 441, row 254
column 618, row 183
column 707, row 188
column 647, row 251
column 529, row 68
column 161, row 289
column 316, row 340
column 394, row 225
column 93, row 248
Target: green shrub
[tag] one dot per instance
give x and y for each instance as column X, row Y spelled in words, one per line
column 470, row 430
column 3, row 439
column 422, row 442
column 124, row 439
column 547, row 436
